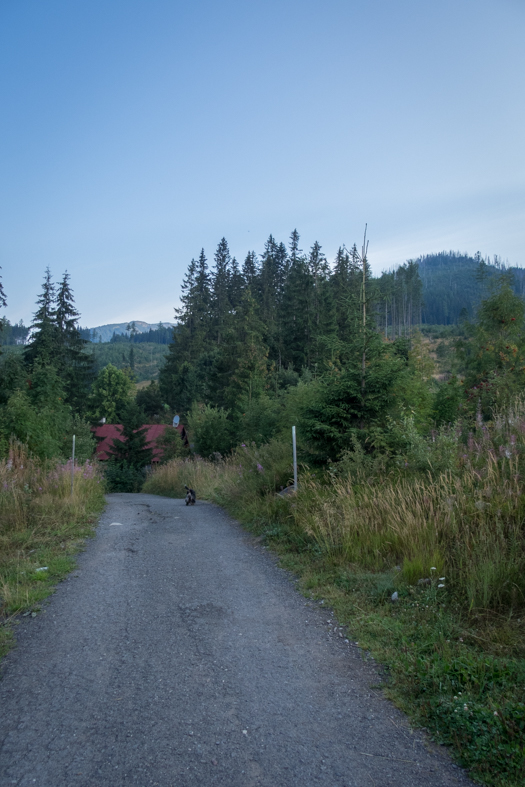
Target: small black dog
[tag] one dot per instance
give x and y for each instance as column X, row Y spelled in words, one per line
column 191, row 497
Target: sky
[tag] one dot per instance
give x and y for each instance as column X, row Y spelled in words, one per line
column 134, row 133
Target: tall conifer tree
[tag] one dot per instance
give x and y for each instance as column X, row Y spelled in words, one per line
column 250, row 272
column 44, row 341
column 221, row 305
column 74, row 365
column 3, row 299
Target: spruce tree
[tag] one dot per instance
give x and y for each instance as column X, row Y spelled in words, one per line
column 179, row 381
column 236, row 285
column 133, row 451
column 250, row 272
column 44, row 344
column 274, row 265
column 3, row 303
column 241, row 367
column 221, row 305
column 294, row 308
column 74, row 364
column 3, row 299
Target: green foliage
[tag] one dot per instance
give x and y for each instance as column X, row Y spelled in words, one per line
column 259, row 420
column 11, row 335
column 130, row 455
column 344, row 407
column 131, row 452
column 453, row 644
column 44, row 340
column 494, row 355
column 172, row 445
column 148, row 357
column 110, row 395
column 150, row 401
column 210, row 430
column 3, row 299
column 121, row 477
column 13, row 376
column 447, row 401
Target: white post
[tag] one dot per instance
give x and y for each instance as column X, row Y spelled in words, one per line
column 294, row 459
column 73, row 466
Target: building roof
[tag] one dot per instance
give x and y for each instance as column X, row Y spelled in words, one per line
column 106, row 433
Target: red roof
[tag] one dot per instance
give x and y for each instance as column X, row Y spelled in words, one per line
column 106, row 433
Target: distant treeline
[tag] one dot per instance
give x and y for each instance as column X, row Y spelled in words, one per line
column 159, row 335
column 13, row 334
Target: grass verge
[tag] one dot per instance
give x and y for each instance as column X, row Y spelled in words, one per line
column 42, row 527
column 455, row 666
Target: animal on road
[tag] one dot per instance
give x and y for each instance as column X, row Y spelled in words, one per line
column 191, row 497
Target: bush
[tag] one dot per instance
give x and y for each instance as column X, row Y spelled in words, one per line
column 209, row 429
column 122, row 477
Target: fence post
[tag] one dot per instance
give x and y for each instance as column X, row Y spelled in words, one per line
column 294, row 459
column 73, row 466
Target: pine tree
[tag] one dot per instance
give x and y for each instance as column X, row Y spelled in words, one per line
column 133, row 450
column 179, row 379
column 345, row 283
column 294, row 308
column 241, row 368
column 3, row 304
column 3, row 299
column 321, row 311
column 494, row 355
column 250, row 272
column 236, row 285
column 73, row 363
column 221, row 305
column 44, row 342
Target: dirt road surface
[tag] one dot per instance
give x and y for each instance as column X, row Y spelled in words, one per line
column 178, row 654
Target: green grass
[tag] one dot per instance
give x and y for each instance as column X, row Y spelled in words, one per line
column 41, row 527
column 453, row 656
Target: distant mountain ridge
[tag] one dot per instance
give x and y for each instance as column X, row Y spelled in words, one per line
column 104, row 333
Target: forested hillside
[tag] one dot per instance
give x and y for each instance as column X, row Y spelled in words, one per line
column 453, row 284
column 136, row 331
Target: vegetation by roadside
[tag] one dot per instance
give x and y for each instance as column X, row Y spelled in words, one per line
column 423, row 559
column 42, row 527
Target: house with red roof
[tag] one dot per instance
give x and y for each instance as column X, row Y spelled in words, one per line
column 106, row 433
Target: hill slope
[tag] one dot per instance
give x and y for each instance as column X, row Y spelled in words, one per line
column 104, row 333
column 454, row 283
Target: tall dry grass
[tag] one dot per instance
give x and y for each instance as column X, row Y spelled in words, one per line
column 247, row 471
column 466, row 523
column 40, row 519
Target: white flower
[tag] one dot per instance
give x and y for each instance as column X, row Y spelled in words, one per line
column 442, row 579
column 441, row 585
column 432, row 568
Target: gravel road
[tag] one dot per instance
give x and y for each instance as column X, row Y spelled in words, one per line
column 178, row 654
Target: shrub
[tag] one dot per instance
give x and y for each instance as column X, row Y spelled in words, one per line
column 209, row 429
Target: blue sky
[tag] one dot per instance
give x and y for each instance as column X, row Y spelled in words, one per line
column 134, row 133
